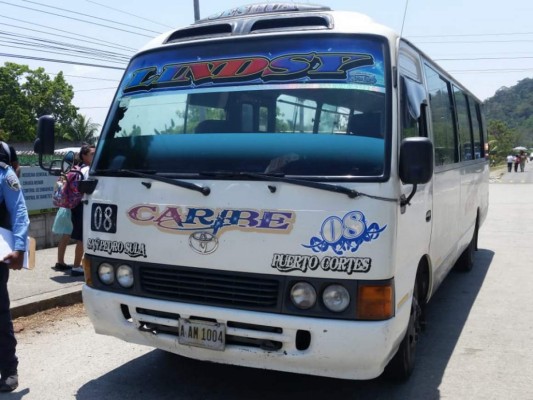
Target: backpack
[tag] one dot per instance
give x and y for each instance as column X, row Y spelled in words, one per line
column 66, row 193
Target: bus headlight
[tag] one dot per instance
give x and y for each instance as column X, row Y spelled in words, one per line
column 106, row 273
column 303, row 295
column 336, row 298
column 125, row 276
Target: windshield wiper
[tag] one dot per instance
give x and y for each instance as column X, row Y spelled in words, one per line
column 280, row 177
column 150, row 174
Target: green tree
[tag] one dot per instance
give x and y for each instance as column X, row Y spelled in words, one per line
column 26, row 94
column 502, row 139
column 83, row 130
column 15, row 115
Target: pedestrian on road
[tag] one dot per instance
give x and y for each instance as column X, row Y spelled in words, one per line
column 516, row 162
column 510, row 161
column 63, row 226
column 11, row 195
column 86, row 157
column 523, row 160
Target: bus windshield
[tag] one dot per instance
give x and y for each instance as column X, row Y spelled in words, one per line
column 288, row 111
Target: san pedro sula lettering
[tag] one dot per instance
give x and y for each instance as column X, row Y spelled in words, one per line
column 313, row 66
column 292, row 262
column 180, row 219
column 132, row 249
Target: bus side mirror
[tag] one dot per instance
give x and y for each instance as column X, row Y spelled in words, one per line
column 44, row 144
column 416, row 160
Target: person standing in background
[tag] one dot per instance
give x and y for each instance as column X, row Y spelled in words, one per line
column 63, row 225
column 510, row 161
column 15, row 206
column 86, row 157
column 516, row 162
column 523, row 160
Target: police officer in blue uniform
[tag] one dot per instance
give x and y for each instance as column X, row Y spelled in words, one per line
column 14, row 207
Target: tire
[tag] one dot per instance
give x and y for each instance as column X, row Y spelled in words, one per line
column 402, row 364
column 465, row 263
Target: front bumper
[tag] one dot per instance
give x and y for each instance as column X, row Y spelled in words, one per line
column 337, row 348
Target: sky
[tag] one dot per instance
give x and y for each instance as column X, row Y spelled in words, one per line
column 485, row 44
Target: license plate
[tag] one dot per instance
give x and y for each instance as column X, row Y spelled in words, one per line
column 208, row 335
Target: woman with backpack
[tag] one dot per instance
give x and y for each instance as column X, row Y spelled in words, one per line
column 86, row 158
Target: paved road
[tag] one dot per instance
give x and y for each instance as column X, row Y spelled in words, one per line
column 478, row 345
column 515, row 177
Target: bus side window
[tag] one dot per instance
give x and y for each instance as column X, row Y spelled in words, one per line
column 442, row 117
column 412, row 97
column 466, row 148
column 475, row 115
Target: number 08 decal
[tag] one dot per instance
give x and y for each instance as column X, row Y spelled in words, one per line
column 104, row 218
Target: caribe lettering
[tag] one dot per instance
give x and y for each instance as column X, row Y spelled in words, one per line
column 314, row 66
column 187, row 219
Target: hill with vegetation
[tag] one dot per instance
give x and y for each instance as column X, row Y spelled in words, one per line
column 514, row 106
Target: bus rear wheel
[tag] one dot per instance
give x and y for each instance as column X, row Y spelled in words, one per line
column 465, row 263
column 402, row 364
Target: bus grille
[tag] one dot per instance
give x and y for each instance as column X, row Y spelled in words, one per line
column 209, row 287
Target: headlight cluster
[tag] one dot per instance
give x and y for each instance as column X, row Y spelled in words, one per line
column 123, row 274
column 334, row 297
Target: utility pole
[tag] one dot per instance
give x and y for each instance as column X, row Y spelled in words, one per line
column 196, row 10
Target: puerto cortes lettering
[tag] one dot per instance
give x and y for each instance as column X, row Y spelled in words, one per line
column 304, row 263
column 291, row 67
column 180, row 219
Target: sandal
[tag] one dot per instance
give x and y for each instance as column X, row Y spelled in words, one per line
column 61, row 267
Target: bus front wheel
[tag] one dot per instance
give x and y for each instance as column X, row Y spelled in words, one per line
column 402, row 364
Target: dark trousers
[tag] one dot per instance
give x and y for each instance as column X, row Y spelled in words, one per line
column 509, row 166
column 8, row 343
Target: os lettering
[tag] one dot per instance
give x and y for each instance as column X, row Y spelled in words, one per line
column 346, row 234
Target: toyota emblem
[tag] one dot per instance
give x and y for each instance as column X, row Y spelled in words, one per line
column 203, row 242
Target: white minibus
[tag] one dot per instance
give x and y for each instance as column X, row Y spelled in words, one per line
column 281, row 186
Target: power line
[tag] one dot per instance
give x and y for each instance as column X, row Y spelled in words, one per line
column 491, row 71
column 481, row 58
column 19, row 47
column 90, row 16
column 90, row 90
column 475, row 34
column 75, row 19
column 127, row 13
column 61, row 30
column 118, row 47
column 404, row 15
column 475, row 41
column 38, row 42
column 59, row 61
column 87, row 77
column 86, row 108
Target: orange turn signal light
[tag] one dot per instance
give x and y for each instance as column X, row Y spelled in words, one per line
column 375, row 302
